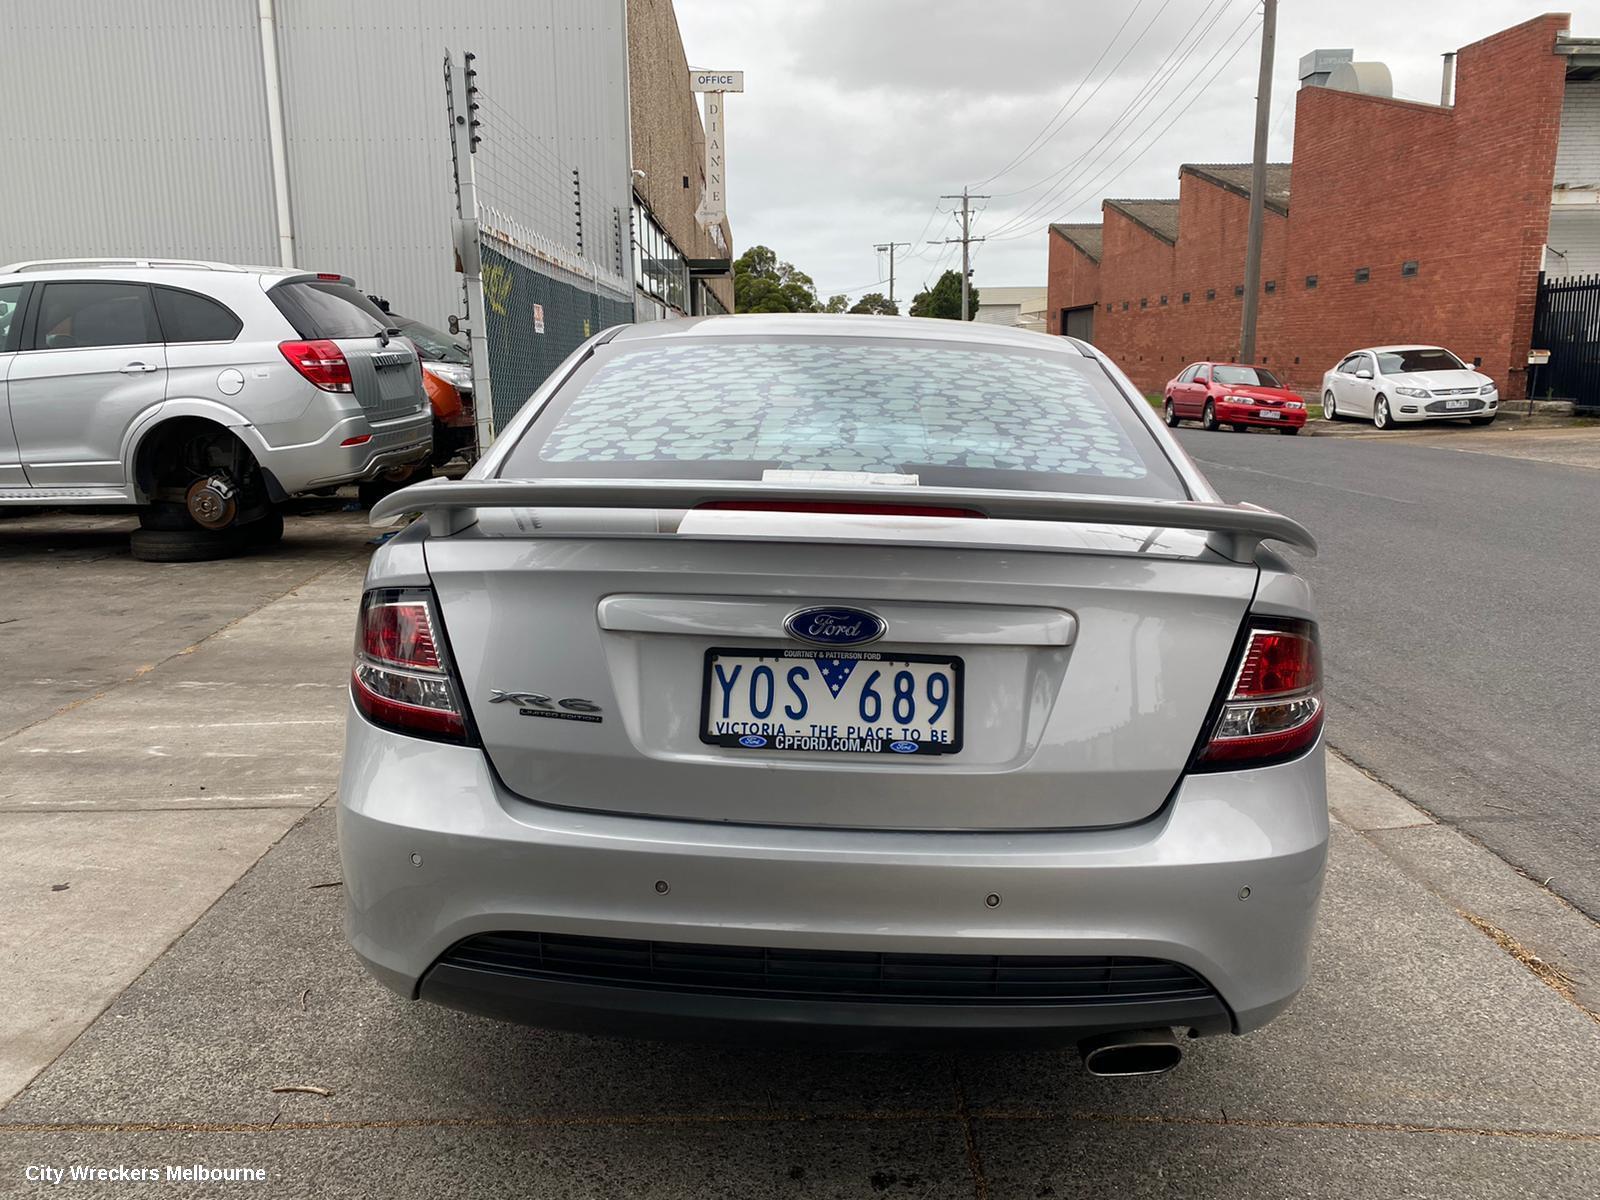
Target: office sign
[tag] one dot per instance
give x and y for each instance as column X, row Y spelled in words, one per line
column 716, row 81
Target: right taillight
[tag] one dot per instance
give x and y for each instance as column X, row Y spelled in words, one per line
column 1273, row 711
column 402, row 679
column 321, row 362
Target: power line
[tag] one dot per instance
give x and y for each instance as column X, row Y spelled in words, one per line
column 1059, row 180
column 1109, row 141
column 1097, row 154
column 1028, row 151
column 1119, row 171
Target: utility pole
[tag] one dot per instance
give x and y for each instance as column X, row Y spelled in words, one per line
column 966, row 239
column 1258, row 186
column 461, row 101
column 890, row 247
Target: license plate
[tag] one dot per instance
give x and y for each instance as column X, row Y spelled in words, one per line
column 1270, row 415
column 1456, row 403
column 839, row 702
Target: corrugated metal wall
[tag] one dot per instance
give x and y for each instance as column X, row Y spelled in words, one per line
column 369, row 154
column 134, row 128
column 148, row 131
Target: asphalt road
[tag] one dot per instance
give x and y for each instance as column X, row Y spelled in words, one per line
column 1459, row 587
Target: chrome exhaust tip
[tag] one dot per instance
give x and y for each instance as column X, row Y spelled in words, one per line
column 1136, row 1052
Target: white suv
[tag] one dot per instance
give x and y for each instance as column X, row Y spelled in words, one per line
column 201, row 393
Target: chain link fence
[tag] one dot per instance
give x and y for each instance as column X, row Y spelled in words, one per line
column 536, row 314
column 554, row 257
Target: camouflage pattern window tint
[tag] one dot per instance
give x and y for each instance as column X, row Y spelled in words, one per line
column 851, row 406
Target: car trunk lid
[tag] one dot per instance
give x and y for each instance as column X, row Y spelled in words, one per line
column 1089, row 657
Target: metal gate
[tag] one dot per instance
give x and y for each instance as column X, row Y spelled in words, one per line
column 1567, row 324
column 1079, row 322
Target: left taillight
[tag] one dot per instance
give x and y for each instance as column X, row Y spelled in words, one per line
column 321, row 362
column 1273, row 709
column 402, row 678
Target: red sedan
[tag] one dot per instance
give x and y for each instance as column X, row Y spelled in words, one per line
column 1217, row 394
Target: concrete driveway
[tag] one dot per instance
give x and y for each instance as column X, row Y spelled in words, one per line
column 169, row 757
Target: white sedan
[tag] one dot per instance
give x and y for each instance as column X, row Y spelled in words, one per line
column 1390, row 384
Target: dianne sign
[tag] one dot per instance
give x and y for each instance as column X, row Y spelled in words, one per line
column 714, row 203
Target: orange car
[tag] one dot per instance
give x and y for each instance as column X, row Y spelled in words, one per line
column 447, row 378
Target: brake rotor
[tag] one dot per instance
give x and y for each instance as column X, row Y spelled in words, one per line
column 212, row 502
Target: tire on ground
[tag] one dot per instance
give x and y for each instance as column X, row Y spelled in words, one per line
column 185, row 545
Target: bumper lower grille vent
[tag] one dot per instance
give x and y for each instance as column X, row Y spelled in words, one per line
column 827, row 974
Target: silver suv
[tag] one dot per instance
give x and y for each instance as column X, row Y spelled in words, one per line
column 201, row 393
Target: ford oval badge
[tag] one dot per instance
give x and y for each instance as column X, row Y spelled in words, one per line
column 835, row 626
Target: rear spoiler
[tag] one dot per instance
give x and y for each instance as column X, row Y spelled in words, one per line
column 451, row 505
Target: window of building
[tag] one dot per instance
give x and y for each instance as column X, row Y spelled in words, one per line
column 1238, row 289
column 1272, row 286
column 1409, row 268
column 1186, row 297
column 1211, row 293
column 706, row 302
column 1363, row 274
column 659, row 267
column 1311, row 281
column 1144, row 301
column 1163, row 301
column 1124, row 306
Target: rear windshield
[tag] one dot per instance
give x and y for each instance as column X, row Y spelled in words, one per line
column 953, row 416
column 1245, row 376
column 1399, row 362
column 326, row 309
column 435, row 344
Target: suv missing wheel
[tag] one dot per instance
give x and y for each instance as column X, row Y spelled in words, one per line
column 202, row 394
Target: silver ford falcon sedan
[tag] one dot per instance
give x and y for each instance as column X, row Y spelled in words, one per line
column 867, row 680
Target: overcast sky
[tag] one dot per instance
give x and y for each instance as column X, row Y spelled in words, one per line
column 858, row 113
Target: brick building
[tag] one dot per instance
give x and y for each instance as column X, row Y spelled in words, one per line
column 1409, row 222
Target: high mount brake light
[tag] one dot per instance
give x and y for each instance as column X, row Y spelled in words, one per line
column 402, row 679
column 863, row 508
column 321, row 362
column 1273, row 710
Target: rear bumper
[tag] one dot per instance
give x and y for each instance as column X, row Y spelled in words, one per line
column 758, row 1020
column 327, row 461
column 434, row 852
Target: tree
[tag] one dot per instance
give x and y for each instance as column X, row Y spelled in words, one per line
column 836, row 304
column 763, row 284
column 876, row 304
column 943, row 299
